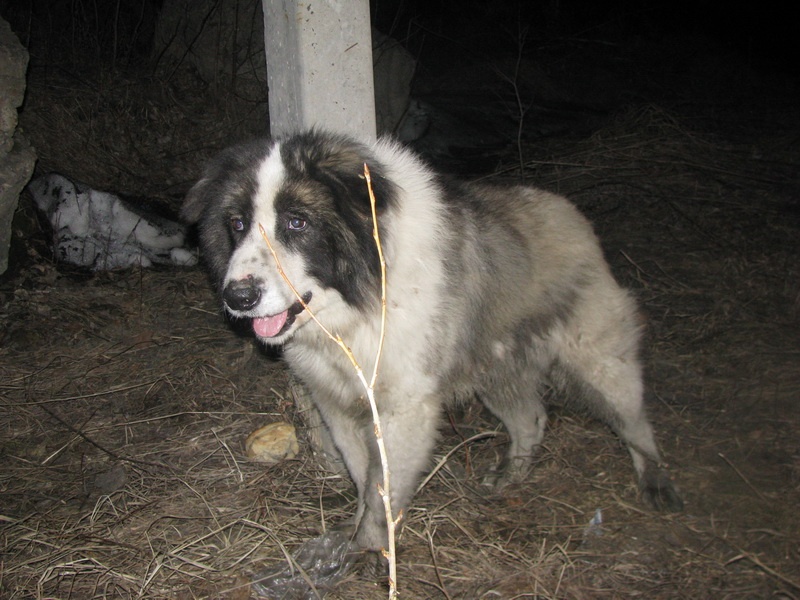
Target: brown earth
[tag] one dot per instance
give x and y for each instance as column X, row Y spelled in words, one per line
column 126, row 399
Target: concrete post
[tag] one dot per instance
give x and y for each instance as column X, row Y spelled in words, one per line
column 319, row 66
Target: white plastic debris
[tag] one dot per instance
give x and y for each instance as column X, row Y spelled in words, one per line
column 315, row 567
column 101, row 231
column 595, row 526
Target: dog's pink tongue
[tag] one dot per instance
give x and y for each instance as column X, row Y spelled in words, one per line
column 270, row 326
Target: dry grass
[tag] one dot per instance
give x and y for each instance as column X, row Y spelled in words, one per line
column 126, row 399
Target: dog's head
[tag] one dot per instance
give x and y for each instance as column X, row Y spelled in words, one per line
column 308, row 196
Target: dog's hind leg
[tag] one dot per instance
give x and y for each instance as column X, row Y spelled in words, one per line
column 516, row 401
column 606, row 379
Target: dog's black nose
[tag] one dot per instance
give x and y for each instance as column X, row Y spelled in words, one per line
column 243, row 294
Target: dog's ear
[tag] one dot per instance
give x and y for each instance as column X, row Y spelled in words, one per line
column 345, row 169
column 230, row 174
column 382, row 188
column 194, row 205
column 352, row 184
column 338, row 162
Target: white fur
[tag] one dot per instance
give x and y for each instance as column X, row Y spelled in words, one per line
column 500, row 293
column 254, row 250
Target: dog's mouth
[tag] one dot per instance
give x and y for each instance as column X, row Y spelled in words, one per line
column 275, row 325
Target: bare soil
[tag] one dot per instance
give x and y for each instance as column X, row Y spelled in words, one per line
column 126, row 398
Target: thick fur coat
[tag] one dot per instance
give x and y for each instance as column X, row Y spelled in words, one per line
column 496, row 292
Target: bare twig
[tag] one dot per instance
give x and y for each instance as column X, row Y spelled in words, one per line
column 391, row 521
column 741, row 475
column 369, row 386
column 760, row 564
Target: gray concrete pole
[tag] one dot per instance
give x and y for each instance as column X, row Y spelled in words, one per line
column 319, row 66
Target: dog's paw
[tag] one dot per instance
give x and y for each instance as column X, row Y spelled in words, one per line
column 658, row 490
column 506, row 473
column 373, row 566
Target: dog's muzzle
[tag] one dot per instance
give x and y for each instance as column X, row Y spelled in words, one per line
column 242, row 295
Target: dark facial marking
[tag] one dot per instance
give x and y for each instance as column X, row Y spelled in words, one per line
column 221, row 202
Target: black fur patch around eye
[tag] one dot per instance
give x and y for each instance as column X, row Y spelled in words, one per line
column 226, row 189
column 338, row 163
column 325, row 184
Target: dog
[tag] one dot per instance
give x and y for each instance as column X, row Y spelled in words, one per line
column 497, row 292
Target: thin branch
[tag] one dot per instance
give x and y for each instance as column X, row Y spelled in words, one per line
column 389, row 553
column 391, row 522
column 377, row 237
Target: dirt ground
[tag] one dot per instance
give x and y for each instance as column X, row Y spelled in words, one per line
column 126, row 398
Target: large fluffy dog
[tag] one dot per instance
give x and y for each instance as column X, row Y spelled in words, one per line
column 497, row 292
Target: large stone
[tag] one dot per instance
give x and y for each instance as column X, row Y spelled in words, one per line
column 17, row 158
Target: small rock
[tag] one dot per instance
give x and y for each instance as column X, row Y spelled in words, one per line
column 272, row 443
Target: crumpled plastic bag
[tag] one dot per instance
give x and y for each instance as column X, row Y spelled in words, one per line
column 316, row 567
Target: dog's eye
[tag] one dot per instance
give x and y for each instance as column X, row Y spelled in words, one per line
column 237, row 223
column 296, row 224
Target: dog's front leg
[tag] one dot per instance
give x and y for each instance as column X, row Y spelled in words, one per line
column 409, row 433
